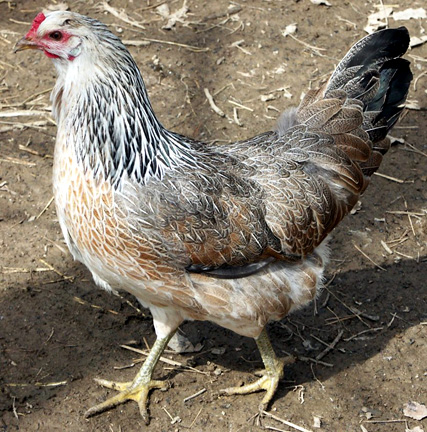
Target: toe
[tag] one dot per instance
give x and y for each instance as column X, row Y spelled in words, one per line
column 118, row 386
column 109, row 403
column 271, row 387
column 260, row 384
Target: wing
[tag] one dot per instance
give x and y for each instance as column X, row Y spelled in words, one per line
column 264, row 199
column 211, row 217
column 309, row 183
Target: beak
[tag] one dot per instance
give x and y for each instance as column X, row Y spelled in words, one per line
column 24, row 44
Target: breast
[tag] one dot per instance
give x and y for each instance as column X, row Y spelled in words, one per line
column 95, row 224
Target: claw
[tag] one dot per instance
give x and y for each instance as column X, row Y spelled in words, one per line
column 138, row 389
column 267, row 382
column 270, row 377
column 134, row 390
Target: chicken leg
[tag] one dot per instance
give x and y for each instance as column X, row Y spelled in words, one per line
column 138, row 389
column 270, row 378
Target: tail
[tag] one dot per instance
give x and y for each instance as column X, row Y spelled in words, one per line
column 338, row 134
column 373, row 73
column 353, row 112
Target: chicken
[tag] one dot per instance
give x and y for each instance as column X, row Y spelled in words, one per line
column 232, row 234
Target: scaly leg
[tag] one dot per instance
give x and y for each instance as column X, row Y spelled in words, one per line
column 138, row 389
column 273, row 373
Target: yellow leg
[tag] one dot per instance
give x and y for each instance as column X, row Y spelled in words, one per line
column 273, row 373
column 138, row 389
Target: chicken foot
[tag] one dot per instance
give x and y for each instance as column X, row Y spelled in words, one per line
column 138, row 389
column 270, row 377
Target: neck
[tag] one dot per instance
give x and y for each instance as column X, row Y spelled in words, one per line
column 115, row 132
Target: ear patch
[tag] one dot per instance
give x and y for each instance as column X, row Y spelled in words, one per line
column 36, row 24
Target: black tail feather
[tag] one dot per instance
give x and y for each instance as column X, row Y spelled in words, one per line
column 373, row 72
column 395, row 78
column 375, row 49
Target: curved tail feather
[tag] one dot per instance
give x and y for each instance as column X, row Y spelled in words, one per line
column 343, row 126
column 373, row 73
column 362, row 100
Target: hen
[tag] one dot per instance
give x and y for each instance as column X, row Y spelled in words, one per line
column 232, row 234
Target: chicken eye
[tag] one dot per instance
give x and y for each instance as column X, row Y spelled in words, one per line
column 56, row 35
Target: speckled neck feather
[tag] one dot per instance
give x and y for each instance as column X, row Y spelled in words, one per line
column 122, row 134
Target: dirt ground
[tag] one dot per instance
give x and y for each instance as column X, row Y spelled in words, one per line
column 58, row 331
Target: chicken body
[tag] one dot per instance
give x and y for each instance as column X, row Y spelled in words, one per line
column 142, row 239
column 232, row 234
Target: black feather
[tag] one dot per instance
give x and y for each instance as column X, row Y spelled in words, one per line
column 373, row 72
column 230, row 272
column 395, row 78
column 374, row 49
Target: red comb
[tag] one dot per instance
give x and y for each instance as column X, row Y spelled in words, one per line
column 36, row 24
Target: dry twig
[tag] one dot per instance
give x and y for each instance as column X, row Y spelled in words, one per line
column 389, row 177
column 285, row 422
column 57, row 271
column 216, row 109
column 121, row 15
column 17, row 161
column 84, row 302
column 369, row 258
column 331, row 346
column 164, row 359
column 45, row 207
column 195, row 395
